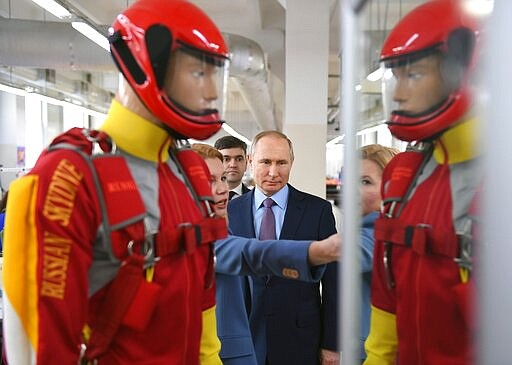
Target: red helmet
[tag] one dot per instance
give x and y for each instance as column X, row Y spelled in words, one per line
column 142, row 39
column 440, row 27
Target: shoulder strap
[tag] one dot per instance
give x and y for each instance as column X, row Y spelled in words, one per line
column 210, row 229
column 197, row 177
column 398, row 181
column 122, row 208
column 400, row 176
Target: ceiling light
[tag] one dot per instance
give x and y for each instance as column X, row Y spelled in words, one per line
column 376, row 75
column 54, row 7
column 380, row 73
column 234, row 133
column 479, row 7
column 92, row 34
column 12, row 90
column 50, row 100
column 335, row 141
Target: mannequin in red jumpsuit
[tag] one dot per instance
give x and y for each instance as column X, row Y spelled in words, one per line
column 422, row 284
column 108, row 259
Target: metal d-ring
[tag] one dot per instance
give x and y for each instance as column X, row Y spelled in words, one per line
column 82, row 360
column 148, row 255
column 149, row 259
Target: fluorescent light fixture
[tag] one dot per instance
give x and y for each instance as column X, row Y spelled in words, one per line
column 92, row 34
column 388, row 74
column 54, row 7
column 50, row 100
column 234, row 133
column 479, row 7
column 335, row 141
column 376, row 75
column 380, row 73
column 12, row 90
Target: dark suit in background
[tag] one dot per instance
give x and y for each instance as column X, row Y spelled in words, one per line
column 235, row 194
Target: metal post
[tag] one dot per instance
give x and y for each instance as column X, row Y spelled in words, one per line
column 350, row 277
column 493, row 290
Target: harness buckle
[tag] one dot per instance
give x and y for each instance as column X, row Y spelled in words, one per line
column 82, row 360
column 465, row 238
column 191, row 236
column 386, row 259
column 417, row 238
column 149, row 257
column 390, row 211
column 96, row 137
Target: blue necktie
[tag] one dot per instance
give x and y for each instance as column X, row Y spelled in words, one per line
column 268, row 223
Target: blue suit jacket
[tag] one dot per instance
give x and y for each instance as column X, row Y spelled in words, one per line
column 290, row 321
column 366, row 244
column 243, row 256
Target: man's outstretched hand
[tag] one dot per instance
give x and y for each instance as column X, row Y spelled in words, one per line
column 325, row 251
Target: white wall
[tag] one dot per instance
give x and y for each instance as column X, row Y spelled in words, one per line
column 379, row 134
column 28, row 123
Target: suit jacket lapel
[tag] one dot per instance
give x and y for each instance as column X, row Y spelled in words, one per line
column 293, row 214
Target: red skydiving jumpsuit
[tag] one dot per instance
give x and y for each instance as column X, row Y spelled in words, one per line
column 426, row 317
column 57, row 273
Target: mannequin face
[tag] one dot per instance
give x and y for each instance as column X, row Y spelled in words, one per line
column 419, row 85
column 219, row 186
column 371, row 178
column 191, row 82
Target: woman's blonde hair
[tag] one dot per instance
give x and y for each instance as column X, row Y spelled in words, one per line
column 379, row 154
column 206, row 151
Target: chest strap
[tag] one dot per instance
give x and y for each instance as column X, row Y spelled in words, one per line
column 420, row 238
column 186, row 237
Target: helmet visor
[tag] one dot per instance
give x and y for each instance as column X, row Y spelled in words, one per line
column 388, row 89
column 414, row 87
column 195, row 83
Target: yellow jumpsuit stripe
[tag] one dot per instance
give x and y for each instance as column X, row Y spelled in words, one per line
column 381, row 345
column 19, row 276
column 210, row 343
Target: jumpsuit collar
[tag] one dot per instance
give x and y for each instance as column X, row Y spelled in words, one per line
column 136, row 135
column 458, row 144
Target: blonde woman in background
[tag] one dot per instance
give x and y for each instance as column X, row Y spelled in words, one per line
column 374, row 158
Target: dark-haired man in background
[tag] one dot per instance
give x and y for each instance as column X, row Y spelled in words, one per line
column 234, row 155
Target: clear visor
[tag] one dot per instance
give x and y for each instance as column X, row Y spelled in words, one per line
column 196, row 83
column 388, row 88
column 415, row 87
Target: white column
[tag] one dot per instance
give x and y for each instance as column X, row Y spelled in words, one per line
column 307, row 51
column 8, row 136
column 36, row 122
